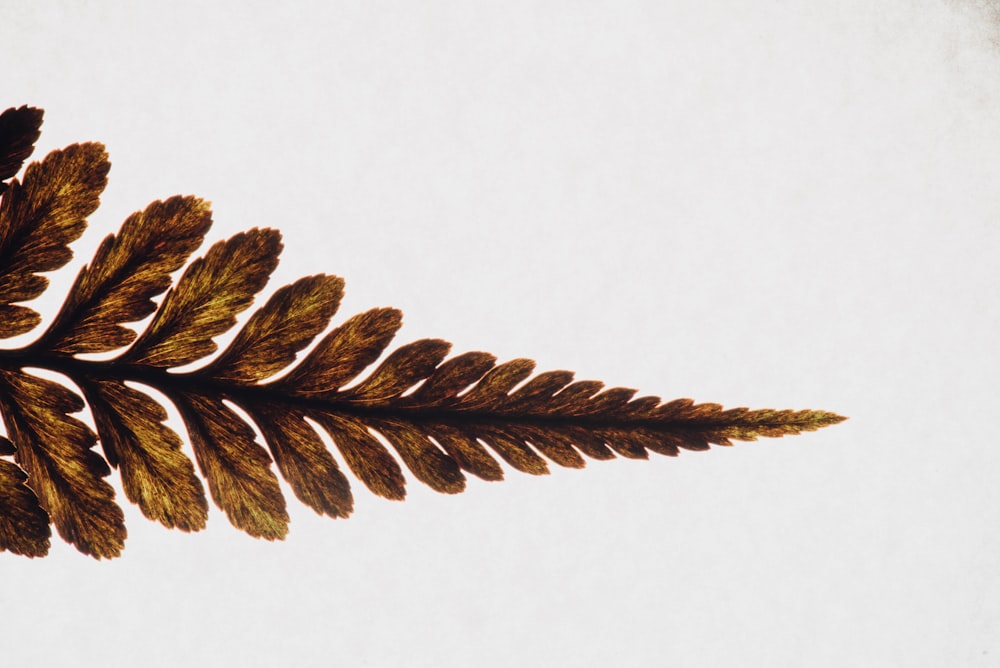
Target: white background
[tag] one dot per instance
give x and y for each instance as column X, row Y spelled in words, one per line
column 783, row 204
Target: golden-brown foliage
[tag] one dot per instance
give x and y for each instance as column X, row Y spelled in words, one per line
column 442, row 417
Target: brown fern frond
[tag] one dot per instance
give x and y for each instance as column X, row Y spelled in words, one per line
column 440, row 417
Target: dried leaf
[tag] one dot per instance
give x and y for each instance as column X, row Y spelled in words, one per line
column 468, row 453
column 587, row 441
column 449, row 379
column 555, row 446
column 19, row 130
column 54, row 449
column 206, row 300
column 509, row 443
column 304, row 461
column 429, row 464
column 401, row 370
column 238, row 470
column 343, row 353
column 156, row 475
column 367, row 458
column 24, row 526
column 442, row 417
column 127, row 271
column 286, row 324
column 39, row 218
column 536, row 392
column 493, row 388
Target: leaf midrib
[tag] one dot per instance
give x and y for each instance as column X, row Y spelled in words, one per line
column 193, row 382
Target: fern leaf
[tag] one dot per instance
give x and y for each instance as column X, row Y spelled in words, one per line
column 206, row 300
column 54, row 449
column 511, row 448
column 343, row 353
column 495, row 385
column 127, row 271
column 24, row 526
column 468, row 453
column 38, row 220
column 303, row 460
column 401, row 370
column 286, row 324
column 450, row 378
column 440, row 418
column 19, row 130
column 365, row 455
column 156, row 475
column 425, row 460
column 236, row 466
